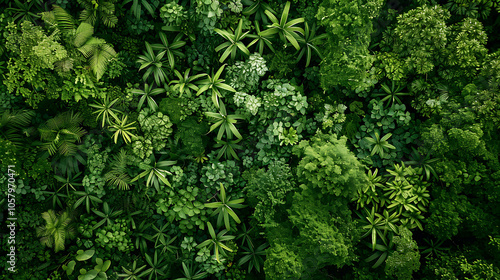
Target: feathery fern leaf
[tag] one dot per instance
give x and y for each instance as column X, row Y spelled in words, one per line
column 105, row 9
column 64, row 20
column 99, row 54
column 61, row 133
column 12, row 123
column 118, row 176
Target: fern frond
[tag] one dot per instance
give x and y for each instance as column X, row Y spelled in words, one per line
column 64, row 20
column 64, row 65
column 16, row 118
column 108, row 14
column 100, row 54
column 118, row 176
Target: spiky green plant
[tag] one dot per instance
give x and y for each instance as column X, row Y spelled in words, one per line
column 154, row 64
column 233, row 43
column 147, row 95
column 308, row 42
column 225, row 123
column 286, row 30
column 171, row 49
column 225, row 207
column 105, row 110
column 121, row 127
column 214, row 84
column 216, row 241
column 380, row 145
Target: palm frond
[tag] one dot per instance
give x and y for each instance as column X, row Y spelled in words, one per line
column 64, row 20
column 108, row 14
column 88, row 16
column 100, row 59
column 99, row 54
column 83, row 34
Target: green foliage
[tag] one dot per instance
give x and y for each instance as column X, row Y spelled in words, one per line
column 173, row 13
column 286, row 30
column 156, row 127
column 281, row 63
column 216, row 241
column 467, row 50
column 225, row 123
column 190, row 273
column 326, row 230
column 253, row 257
column 178, row 109
column 107, row 215
column 472, row 8
column 419, row 37
column 114, row 237
column 117, row 175
column 225, row 208
column 433, row 248
column 137, row 6
column 431, row 170
column 133, row 273
column 121, row 127
column 56, row 231
column 391, row 94
column 99, row 54
column 105, row 10
column 147, row 95
column 61, row 133
column 33, row 56
column 244, row 76
column 234, row 43
column 380, row 144
column 261, row 41
column 213, row 84
column 281, row 98
column 192, row 136
column 258, row 8
column 155, row 172
column 98, row 272
column 267, row 191
column 157, row 266
column 171, row 49
column 105, row 110
column 13, row 123
column 347, row 59
column 88, row 198
column 405, row 259
column 282, row 263
column 308, row 44
column 396, row 121
column 226, row 172
column 209, row 12
column 153, row 63
column 324, row 155
column 462, row 265
column 185, row 83
column 185, row 206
